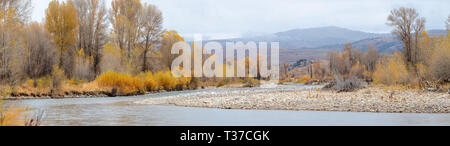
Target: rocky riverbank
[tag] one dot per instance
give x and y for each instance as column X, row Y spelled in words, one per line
column 372, row 99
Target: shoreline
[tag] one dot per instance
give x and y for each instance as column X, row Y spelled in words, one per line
column 372, row 99
column 98, row 94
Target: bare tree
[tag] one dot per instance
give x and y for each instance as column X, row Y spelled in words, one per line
column 406, row 22
column 93, row 24
column 448, row 22
column 151, row 29
column 40, row 51
column 14, row 14
column 370, row 58
column 22, row 8
column 124, row 17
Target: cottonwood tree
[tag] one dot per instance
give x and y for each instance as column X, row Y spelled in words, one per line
column 92, row 31
column 168, row 39
column 62, row 23
column 21, row 8
column 14, row 14
column 407, row 27
column 124, row 17
column 440, row 66
column 111, row 58
column 353, row 62
column 370, row 58
column 137, row 30
column 151, row 28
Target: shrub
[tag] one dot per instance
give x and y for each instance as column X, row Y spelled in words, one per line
column 108, row 79
column 124, row 83
column 250, row 82
column 440, row 66
column 303, row 79
column 44, row 82
column 166, row 80
column 184, row 83
column 347, row 85
column 223, row 82
column 392, row 72
column 75, row 82
column 149, row 81
column 11, row 116
column 41, row 83
column 194, row 83
column 31, row 83
column 58, row 77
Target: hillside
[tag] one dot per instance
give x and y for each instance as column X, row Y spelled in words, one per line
column 314, row 43
column 312, row 37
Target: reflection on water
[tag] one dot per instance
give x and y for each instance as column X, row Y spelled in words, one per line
column 121, row 111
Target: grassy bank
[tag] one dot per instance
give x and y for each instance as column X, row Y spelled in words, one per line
column 118, row 84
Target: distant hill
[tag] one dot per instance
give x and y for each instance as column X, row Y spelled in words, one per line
column 312, row 37
column 316, row 37
column 384, row 44
column 314, row 43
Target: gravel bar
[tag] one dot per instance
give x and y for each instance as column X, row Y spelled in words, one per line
column 365, row 100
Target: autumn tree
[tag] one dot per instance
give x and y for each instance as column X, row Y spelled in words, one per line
column 169, row 38
column 111, row 58
column 407, row 27
column 341, row 63
column 353, row 62
column 318, row 70
column 124, row 17
column 39, row 51
column 440, row 66
column 20, row 8
column 284, row 71
column 151, row 29
column 14, row 14
column 448, row 22
column 92, row 31
column 370, row 58
column 391, row 71
column 62, row 23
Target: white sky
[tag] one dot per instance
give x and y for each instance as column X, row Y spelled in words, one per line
column 232, row 17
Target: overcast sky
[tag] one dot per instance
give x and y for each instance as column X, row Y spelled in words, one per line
column 232, row 17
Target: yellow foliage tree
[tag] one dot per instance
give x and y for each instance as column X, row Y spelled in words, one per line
column 124, row 17
column 440, row 66
column 111, row 58
column 392, row 72
column 168, row 39
column 61, row 21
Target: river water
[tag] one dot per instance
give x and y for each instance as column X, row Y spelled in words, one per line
column 121, row 111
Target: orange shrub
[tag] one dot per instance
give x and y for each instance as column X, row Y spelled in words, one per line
column 125, row 83
column 393, row 72
column 12, row 117
column 184, row 82
column 149, row 81
column 166, row 80
column 303, row 79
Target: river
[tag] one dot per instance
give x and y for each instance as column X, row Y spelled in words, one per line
column 121, row 111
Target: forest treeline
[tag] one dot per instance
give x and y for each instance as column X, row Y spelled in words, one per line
column 123, row 47
column 423, row 62
column 81, row 39
column 73, row 37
